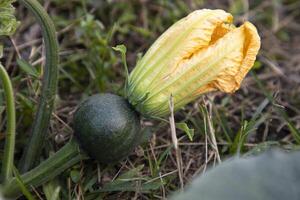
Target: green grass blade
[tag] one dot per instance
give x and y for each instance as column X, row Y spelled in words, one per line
column 21, row 185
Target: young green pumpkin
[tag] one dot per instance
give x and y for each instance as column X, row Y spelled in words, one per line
column 107, row 127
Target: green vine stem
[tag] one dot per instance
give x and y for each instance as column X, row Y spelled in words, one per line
column 65, row 158
column 49, row 86
column 8, row 158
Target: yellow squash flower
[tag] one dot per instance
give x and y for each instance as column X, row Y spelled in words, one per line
column 200, row 53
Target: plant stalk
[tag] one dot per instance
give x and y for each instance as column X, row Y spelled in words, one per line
column 49, row 86
column 9, row 149
column 65, row 158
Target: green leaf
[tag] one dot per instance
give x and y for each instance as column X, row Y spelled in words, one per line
column 89, row 183
column 184, row 127
column 248, row 127
column 273, row 175
column 131, row 173
column 1, row 51
column 8, row 22
column 122, row 49
column 52, row 190
column 27, row 68
column 131, row 181
column 21, row 185
column 75, row 176
column 262, row 147
column 257, row 65
column 236, row 7
column 130, row 186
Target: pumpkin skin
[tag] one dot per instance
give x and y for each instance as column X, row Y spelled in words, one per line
column 107, row 127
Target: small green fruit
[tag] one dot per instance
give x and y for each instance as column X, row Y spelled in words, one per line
column 107, row 127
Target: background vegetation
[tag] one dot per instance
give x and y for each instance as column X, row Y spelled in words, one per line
column 265, row 112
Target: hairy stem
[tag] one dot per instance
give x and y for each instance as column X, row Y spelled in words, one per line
column 65, row 158
column 49, row 86
column 9, row 149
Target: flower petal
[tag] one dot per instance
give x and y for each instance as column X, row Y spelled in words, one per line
column 230, row 79
column 220, row 31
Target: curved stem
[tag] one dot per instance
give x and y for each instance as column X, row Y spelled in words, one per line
column 9, row 149
column 49, row 86
column 65, row 158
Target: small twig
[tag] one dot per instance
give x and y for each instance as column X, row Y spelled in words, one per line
column 175, row 142
column 80, row 194
column 62, row 121
column 202, row 144
column 187, row 167
column 162, row 186
column 206, row 145
column 153, row 154
column 25, row 44
column 197, row 172
column 15, row 46
column 273, row 65
column 98, row 173
column 212, row 138
column 137, row 190
column 69, row 188
column 36, row 193
column 161, row 176
column 172, row 124
column 246, row 9
column 119, row 171
column 212, row 134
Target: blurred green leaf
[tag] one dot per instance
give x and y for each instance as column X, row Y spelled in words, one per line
column 8, row 22
column 122, row 49
column 25, row 101
column 257, row 65
column 184, row 127
column 21, row 185
column 236, row 7
column 143, row 31
column 131, row 181
column 262, row 147
column 89, row 183
column 27, row 68
column 130, row 174
column 283, row 35
column 239, row 139
column 273, row 175
column 248, row 127
column 52, row 190
column 1, row 51
column 130, row 186
column 75, row 176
